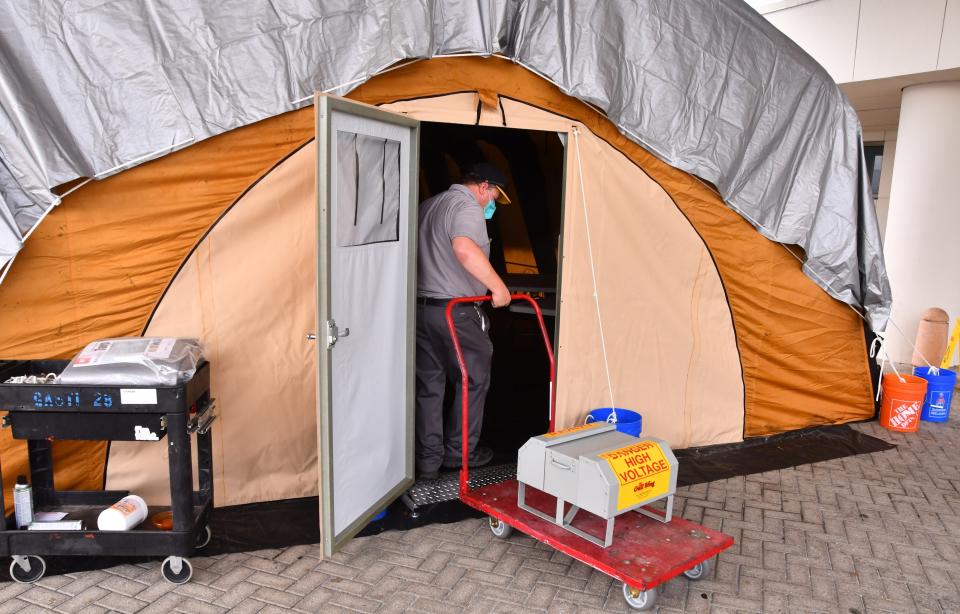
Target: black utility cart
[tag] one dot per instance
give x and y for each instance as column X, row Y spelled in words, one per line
column 43, row 413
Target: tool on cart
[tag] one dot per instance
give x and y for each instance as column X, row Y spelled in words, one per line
column 643, row 552
column 600, row 470
column 41, row 411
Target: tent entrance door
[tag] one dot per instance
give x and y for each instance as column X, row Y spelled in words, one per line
column 526, row 250
column 367, row 162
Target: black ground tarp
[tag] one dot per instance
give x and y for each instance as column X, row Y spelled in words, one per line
column 280, row 524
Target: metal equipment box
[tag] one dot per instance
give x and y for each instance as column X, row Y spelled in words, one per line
column 598, row 469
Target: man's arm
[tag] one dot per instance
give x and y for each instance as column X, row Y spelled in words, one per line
column 471, row 257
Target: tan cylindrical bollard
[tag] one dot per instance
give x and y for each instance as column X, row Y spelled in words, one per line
column 931, row 337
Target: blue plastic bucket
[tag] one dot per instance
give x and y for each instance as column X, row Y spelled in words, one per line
column 628, row 422
column 936, row 405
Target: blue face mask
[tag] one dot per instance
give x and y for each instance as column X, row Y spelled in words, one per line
column 488, row 210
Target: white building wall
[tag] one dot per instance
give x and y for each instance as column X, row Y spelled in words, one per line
column 898, row 38
column 857, row 40
column 827, row 30
column 950, row 40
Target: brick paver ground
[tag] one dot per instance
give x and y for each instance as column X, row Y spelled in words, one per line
column 870, row 533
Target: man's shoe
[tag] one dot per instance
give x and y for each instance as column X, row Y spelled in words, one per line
column 428, row 475
column 478, row 458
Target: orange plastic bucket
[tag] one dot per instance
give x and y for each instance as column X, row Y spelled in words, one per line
column 902, row 402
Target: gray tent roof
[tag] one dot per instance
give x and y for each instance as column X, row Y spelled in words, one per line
column 91, row 87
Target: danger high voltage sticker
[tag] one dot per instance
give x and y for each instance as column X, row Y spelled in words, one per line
column 643, row 471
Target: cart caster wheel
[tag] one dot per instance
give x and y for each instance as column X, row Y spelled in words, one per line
column 37, row 567
column 698, row 571
column 640, row 600
column 204, row 538
column 500, row 529
column 170, row 574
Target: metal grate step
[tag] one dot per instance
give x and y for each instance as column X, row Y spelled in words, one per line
column 447, row 486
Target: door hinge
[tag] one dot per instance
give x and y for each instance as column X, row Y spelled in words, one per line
column 334, row 333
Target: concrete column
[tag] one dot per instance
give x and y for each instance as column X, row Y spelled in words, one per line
column 922, row 238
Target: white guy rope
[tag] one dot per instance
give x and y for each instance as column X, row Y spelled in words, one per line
column 877, row 351
column 593, row 273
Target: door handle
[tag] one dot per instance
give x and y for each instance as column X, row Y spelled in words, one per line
column 334, row 333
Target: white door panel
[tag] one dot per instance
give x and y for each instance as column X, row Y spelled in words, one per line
column 367, row 165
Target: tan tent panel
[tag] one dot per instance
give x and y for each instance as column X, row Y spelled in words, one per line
column 670, row 344
column 248, row 290
column 98, row 264
column 252, row 303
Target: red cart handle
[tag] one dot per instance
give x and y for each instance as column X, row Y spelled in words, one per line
column 464, row 376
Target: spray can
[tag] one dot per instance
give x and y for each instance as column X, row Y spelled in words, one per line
column 22, row 502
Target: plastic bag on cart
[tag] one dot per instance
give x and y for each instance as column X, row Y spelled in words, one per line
column 135, row 361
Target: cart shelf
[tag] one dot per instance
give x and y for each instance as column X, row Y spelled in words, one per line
column 143, row 540
column 645, row 553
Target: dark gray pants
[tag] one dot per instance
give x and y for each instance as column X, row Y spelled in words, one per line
column 438, row 439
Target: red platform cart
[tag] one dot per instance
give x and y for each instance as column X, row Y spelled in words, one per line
column 644, row 552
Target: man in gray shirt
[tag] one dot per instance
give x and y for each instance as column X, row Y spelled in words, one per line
column 453, row 260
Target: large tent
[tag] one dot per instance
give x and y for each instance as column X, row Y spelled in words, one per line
column 698, row 142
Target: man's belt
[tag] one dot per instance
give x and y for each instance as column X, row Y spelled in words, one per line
column 436, row 302
column 433, row 302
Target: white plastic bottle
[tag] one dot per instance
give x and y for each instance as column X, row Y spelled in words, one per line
column 123, row 515
column 22, row 502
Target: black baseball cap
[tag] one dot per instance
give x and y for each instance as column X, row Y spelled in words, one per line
column 494, row 176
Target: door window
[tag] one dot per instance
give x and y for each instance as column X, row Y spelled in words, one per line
column 368, row 183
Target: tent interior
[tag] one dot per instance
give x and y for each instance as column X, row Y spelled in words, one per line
column 524, row 250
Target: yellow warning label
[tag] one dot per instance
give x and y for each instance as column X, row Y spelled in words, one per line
column 574, row 429
column 642, row 470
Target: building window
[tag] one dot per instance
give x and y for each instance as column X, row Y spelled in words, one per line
column 874, row 157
